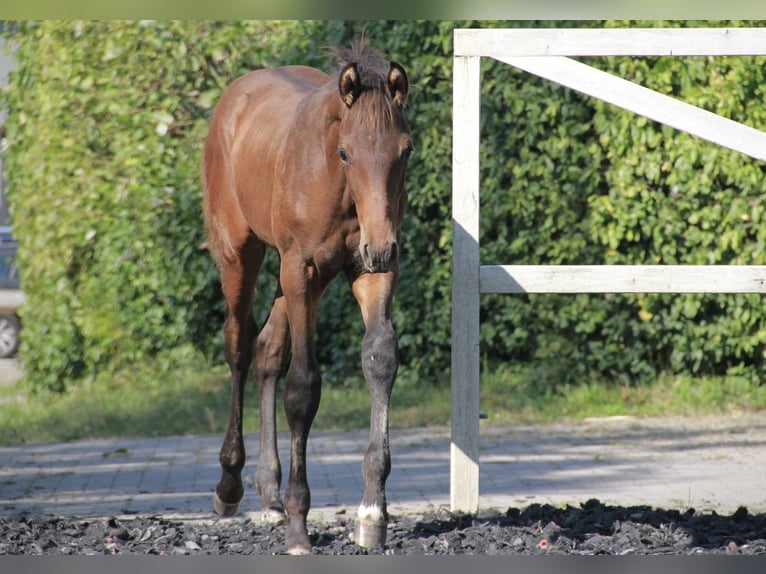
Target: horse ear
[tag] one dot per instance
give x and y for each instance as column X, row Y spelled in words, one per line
column 397, row 83
column 349, row 84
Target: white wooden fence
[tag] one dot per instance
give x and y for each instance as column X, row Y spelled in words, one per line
column 545, row 53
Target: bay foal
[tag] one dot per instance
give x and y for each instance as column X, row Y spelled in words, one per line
column 313, row 166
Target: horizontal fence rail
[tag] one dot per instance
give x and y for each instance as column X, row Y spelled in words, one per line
column 498, row 43
column 622, row 279
column 545, row 53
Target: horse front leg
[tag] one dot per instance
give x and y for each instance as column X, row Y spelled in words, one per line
column 303, row 384
column 379, row 365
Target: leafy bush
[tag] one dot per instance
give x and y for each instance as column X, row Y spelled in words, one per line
column 674, row 199
column 582, row 182
column 105, row 130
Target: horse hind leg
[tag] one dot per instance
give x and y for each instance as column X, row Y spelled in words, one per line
column 238, row 278
column 270, row 361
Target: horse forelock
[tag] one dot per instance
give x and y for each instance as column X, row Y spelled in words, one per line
column 372, row 64
column 376, row 109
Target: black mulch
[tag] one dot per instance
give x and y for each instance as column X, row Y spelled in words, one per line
column 592, row 528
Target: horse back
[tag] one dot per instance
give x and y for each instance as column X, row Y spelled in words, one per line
column 249, row 126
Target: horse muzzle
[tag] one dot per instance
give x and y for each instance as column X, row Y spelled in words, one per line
column 379, row 259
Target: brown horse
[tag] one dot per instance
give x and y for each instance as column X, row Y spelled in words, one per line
column 314, row 166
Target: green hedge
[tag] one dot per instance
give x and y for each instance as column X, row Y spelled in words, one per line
column 105, row 129
column 106, row 125
column 586, row 183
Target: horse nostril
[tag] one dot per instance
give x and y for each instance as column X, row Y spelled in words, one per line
column 365, row 249
column 379, row 260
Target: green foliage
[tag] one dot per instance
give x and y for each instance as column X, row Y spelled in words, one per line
column 573, row 180
column 105, row 129
column 673, row 199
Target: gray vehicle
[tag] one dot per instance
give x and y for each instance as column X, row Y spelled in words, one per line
column 11, row 296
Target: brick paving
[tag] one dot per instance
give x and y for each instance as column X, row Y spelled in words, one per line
column 711, row 463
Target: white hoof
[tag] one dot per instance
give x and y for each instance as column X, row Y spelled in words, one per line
column 224, row 508
column 273, row 517
column 299, row 551
column 371, row 527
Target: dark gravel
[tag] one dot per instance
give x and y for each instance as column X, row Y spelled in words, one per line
column 592, row 528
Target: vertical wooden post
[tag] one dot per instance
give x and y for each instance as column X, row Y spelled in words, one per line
column 464, row 450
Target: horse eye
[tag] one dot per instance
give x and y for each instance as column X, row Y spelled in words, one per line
column 407, row 153
column 343, row 155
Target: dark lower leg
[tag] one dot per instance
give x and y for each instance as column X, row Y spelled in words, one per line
column 238, row 279
column 269, row 363
column 268, row 473
column 229, row 491
column 379, row 363
column 302, row 395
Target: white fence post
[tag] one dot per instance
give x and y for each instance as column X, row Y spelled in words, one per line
column 544, row 52
column 464, row 450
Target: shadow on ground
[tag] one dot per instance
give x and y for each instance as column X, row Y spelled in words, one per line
column 592, row 528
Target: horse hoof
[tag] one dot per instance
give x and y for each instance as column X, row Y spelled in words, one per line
column 298, row 544
column 299, row 550
column 370, row 533
column 273, row 516
column 224, row 508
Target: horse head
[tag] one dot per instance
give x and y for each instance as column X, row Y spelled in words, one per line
column 374, row 146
